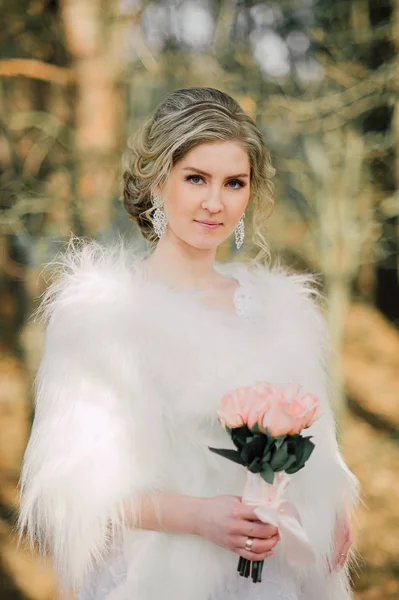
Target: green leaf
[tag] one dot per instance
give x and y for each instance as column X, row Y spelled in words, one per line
column 238, row 442
column 242, row 431
column 280, row 441
column 299, row 453
column 291, row 460
column 292, row 446
column 305, row 450
column 267, row 456
column 254, row 467
column 256, row 428
column 309, row 447
column 230, row 454
column 279, row 458
column 253, row 448
column 240, row 436
column 267, row 473
column 294, row 469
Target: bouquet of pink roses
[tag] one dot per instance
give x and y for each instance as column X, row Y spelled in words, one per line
column 265, row 422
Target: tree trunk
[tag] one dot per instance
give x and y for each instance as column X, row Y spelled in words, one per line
column 395, row 119
column 98, row 111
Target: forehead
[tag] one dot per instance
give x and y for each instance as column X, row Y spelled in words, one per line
column 214, row 155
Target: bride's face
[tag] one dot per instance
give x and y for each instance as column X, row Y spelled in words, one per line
column 210, row 183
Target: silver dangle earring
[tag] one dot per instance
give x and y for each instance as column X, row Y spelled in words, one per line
column 159, row 218
column 240, row 232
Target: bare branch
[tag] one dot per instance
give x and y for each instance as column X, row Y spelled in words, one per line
column 36, row 69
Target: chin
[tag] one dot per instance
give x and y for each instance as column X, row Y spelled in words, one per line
column 202, row 244
column 201, row 241
column 205, row 245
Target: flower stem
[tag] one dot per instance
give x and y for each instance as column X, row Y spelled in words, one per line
column 247, row 568
column 239, row 567
column 261, row 563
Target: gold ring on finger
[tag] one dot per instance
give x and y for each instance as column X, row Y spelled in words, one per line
column 248, row 544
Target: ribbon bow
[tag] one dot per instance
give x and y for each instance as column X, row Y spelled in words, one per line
column 271, row 508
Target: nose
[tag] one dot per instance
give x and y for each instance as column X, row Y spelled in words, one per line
column 213, row 200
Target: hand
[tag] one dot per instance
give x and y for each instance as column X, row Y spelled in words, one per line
column 343, row 540
column 227, row 522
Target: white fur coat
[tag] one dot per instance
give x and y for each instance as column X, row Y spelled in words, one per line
column 131, row 376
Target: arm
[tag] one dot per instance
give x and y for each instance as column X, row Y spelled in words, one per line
column 89, row 451
column 166, row 512
column 224, row 520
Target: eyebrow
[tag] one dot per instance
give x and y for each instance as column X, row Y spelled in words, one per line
column 209, row 175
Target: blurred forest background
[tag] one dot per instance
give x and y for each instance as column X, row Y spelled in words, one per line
column 321, row 79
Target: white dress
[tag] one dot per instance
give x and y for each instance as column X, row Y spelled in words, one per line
column 126, row 397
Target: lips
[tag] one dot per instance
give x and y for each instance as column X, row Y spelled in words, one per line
column 208, row 224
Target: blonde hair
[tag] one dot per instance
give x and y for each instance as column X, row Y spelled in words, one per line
column 185, row 119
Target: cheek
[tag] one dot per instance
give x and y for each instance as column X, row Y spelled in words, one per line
column 240, row 202
column 236, row 209
column 180, row 200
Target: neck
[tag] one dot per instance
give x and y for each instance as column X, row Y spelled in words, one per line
column 182, row 264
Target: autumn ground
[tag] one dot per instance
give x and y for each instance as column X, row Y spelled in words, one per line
column 374, row 457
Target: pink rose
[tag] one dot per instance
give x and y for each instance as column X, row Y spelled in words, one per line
column 266, row 395
column 281, row 410
column 311, row 409
column 303, row 407
column 293, row 413
column 256, row 414
column 235, row 407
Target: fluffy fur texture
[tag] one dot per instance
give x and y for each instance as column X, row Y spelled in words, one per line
column 131, row 376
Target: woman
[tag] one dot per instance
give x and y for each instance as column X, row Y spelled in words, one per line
column 118, row 483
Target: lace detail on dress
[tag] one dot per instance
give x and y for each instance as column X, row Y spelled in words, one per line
column 106, row 580
column 244, row 295
column 242, row 302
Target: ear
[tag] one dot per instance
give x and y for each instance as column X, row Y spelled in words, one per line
column 157, row 190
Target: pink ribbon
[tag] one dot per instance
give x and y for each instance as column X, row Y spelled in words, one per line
column 271, row 508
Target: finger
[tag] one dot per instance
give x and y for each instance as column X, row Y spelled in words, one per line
column 348, row 540
column 340, row 557
column 343, row 543
column 252, row 555
column 345, row 547
column 251, row 519
column 339, row 560
column 343, row 555
column 247, row 512
column 258, row 530
column 258, row 546
column 347, row 536
column 334, row 566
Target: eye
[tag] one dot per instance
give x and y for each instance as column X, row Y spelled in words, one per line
column 191, row 177
column 239, row 182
